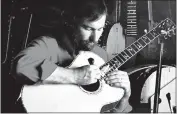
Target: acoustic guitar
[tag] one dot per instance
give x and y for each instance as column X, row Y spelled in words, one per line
column 89, row 98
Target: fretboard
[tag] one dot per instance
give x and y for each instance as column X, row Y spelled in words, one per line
column 134, row 48
column 131, row 28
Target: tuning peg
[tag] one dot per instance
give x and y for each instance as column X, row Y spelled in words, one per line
column 163, row 32
column 145, row 31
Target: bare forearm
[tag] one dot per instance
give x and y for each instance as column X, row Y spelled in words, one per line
column 61, row 75
column 122, row 106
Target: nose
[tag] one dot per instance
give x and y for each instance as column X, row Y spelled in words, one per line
column 94, row 36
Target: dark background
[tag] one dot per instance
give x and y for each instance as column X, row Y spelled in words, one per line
column 16, row 15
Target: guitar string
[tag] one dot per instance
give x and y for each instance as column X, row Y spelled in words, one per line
column 103, row 75
column 144, row 35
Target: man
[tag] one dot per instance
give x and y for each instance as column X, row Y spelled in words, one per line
column 45, row 59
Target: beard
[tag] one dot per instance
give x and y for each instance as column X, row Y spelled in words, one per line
column 85, row 45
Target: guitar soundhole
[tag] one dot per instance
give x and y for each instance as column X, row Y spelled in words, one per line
column 92, row 87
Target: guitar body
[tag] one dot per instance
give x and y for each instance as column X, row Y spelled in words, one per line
column 115, row 41
column 70, row 98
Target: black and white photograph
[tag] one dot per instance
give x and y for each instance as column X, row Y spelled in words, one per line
column 88, row 56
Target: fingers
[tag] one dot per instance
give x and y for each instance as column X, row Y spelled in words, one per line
column 105, row 68
column 118, row 79
column 92, row 74
column 95, row 72
column 117, row 75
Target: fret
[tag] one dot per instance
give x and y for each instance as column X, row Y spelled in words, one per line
column 138, row 45
column 107, row 73
column 131, row 6
column 131, row 22
column 111, row 69
column 131, row 19
column 154, row 33
column 131, row 30
column 114, row 67
column 123, row 59
column 128, row 53
column 150, row 36
column 134, row 6
column 134, row 47
column 131, row 26
column 141, row 42
column 104, row 65
column 130, row 49
column 119, row 59
column 131, row 11
column 132, row 34
column 145, row 39
column 131, row 16
column 107, row 64
column 125, row 55
column 132, row 2
column 135, row 27
column 118, row 63
column 115, row 59
column 113, row 64
column 129, row 33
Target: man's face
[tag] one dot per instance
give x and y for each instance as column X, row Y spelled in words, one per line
column 88, row 33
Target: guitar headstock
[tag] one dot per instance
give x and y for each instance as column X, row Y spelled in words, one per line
column 166, row 28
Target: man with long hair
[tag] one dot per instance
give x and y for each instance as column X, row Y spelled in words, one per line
column 79, row 28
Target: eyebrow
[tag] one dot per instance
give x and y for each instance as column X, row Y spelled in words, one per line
column 86, row 26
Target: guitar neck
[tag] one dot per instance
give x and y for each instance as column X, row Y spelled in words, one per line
column 134, row 48
column 131, row 28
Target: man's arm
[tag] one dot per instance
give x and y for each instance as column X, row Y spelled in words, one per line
column 118, row 107
column 122, row 106
column 120, row 79
column 34, row 64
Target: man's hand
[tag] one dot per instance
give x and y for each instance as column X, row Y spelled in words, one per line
column 119, row 79
column 86, row 74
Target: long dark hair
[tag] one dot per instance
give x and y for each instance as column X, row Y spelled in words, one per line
column 71, row 11
column 59, row 16
column 85, row 9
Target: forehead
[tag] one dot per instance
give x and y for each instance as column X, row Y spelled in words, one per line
column 96, row 24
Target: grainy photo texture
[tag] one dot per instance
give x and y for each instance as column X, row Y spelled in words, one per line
column 108, row 56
